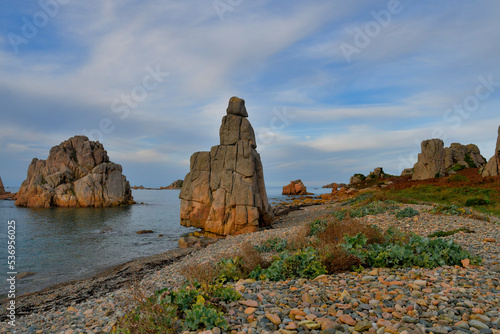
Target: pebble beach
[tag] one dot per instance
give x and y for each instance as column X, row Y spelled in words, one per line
column 376, row 300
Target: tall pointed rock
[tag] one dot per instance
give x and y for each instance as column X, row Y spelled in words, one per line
column 224, row 191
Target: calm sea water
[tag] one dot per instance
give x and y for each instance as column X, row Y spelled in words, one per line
column 62, row 244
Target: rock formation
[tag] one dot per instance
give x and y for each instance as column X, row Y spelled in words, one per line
column 77, row 173
column 4, row 194
column 492, row 168
column 435, row 160
column 295, row 188
column 378, row 173
column 430, row 161
column 2, row 189
column 224, row 191
column 407, row 172
column 174, row 185
column 335, row 185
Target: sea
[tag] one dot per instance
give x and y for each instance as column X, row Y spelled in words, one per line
column 62, row 244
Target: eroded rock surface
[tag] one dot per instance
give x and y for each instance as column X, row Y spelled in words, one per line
column 492, row 168
column 224, row 192
column 435, row 160
column 77, row 173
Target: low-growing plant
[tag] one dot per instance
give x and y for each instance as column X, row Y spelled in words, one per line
column 204, row 274
column 457, row 167
column 477, row 201
column 407, row 212
column 419, row 251
column 469, row 161
column 358, row 199
column 458, row 178
column 304, row 263
column 451, row 210
column 276, row 244
column 317, row 226
column 372, row 208
column 190, row 307
column 204, row 317
column 150, row 316
column 229, row 270
column 448, row 233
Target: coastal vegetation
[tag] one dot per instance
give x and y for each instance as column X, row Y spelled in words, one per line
column 327, row 245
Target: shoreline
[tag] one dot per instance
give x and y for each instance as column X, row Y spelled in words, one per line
column 94, row 306
column 107, row 280
column 94, row 286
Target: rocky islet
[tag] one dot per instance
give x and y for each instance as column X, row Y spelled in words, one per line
column 77, row 173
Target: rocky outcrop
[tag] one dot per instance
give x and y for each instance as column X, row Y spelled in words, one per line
column 295, row 188
column 224, row 192
column 4, row 194
column 77, row 173
column 407, row 172
column 174, row 185
column 459, row 156
column 378, row 173
column 492, row 168
column 435, row 160
column 430, row 162
column 335, row 185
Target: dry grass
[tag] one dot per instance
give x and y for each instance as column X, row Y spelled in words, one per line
column 336, row 259
column 148, row 316
column 204, row 273
column 301, row 239
column 250, row 258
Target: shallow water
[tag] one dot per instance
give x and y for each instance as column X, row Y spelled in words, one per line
column 62, row 244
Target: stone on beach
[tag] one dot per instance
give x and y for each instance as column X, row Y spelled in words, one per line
column 224, row 192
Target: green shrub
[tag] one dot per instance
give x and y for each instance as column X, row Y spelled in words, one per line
column 458, row 178
column 447, row 233
column 150, row 317
column 407, row 212
column 419, row 251
column 358, row 199
column 469, row 161
column 317, row 226
column 457, row 167
column 304, row 263
column 476, row 201
column 226, row 294
column 276, row 244
column 201, row 316
column 360, row 176
column 190, row 307
column 451, row 210
column 372, row 208
column 229, row 270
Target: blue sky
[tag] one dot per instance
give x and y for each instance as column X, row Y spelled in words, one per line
column 332, row 88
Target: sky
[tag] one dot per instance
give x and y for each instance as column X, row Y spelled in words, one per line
column 332, row 88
